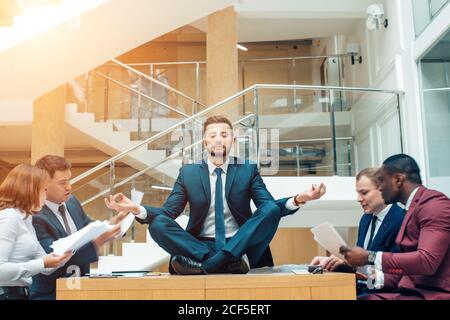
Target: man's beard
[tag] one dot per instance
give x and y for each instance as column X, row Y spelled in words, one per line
column 223, row 155
column 390, row 199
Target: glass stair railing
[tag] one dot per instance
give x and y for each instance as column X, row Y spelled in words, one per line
column 131, row 100
column 190, row 76
column 323, row 134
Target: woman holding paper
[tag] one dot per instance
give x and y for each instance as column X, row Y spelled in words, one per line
column 22, row 194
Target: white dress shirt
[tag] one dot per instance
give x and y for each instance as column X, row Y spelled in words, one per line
column 379, row 274
column 54, row 207
column 231, row 226
column 21, row 255
column 380, row 217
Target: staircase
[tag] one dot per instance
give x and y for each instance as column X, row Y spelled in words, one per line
column 115, row 136
column 106, row 138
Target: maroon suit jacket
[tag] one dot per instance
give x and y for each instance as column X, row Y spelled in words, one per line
column 423, row 263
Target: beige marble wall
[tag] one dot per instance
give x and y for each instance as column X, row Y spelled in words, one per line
column 222, row 56
column 48, row 124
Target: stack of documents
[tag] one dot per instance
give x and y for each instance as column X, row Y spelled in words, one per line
column 93, row 230
column 80, row 238
column 327, row 236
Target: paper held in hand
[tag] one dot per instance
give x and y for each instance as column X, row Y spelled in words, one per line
column 93, row 230
column 136, row 197
column 80, row 238
column 327, row 236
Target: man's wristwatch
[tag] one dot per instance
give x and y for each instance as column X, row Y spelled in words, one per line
column 371, row 257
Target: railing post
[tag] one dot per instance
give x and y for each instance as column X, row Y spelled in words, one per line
column 112, row 179
column 105, row 100
column 243, row 85
column 133, row 229
column 139, row 107
column 294, row 97
column 256, row 106
column 349, row 157
column 342, row 94
column 247, row 148
column 193, row 108
column 297, row 154
column 197, row 86
column 151, row 102
column 86, row 96
column 183, row 147
column 430, row 10
column 333, row 132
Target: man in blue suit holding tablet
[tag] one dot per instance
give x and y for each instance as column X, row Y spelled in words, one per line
column 222, row 235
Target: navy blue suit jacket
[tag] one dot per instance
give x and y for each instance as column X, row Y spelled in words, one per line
column 243, row 183
column 49, row 229
column 387, row 233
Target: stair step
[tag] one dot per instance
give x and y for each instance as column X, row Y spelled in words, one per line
column 158, row 124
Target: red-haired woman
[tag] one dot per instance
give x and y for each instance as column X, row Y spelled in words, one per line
column 22, row 193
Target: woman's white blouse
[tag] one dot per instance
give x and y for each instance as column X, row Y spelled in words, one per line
column 21, row 255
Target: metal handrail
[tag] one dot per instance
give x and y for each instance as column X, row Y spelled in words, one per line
column 137, row 174
column 142, row 94
column 296, row 58
column 437, row 90
column 158, row 82
column 315, row 140
column 321, row 88
column 145, row 64
column 221, row 103
column 242, row 60
column 158, row 135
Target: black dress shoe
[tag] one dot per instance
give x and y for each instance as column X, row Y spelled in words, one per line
column 186, row 266
column 240, row 266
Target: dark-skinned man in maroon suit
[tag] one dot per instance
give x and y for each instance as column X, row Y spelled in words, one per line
column 421, row 270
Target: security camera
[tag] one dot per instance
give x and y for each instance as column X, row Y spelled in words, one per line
column 376, row 17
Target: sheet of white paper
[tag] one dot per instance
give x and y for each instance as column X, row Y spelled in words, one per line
column 136, row 197
column 300, row 271
column 327, row 236
column 126, row 224
column 83, row 236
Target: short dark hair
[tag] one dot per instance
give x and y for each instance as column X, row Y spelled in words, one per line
column 402, row 163
column 52, row 163
column 216, row 119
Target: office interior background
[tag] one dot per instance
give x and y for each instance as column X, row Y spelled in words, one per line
column 316, row 91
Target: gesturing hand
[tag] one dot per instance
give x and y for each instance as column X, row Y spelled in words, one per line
column 313, row 193
column 119, row 202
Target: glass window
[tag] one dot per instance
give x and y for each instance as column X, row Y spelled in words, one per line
column 435, row 70
column 424, row 11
